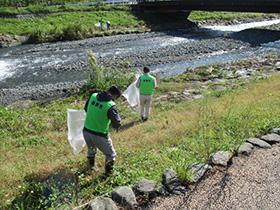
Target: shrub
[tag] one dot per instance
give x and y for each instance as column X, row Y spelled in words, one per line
column 38, row 36
column 74, row 32
column 101, row 79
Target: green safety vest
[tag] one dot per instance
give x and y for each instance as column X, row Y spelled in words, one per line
column 146, row 85
column 97, row 119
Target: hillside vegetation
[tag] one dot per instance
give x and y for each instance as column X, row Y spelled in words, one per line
column 75, row 23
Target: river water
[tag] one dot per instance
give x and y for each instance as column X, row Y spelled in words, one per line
column 31, row 65
column 173, row 69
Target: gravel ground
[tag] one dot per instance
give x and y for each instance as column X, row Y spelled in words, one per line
column 169, row 54
column 249, row 183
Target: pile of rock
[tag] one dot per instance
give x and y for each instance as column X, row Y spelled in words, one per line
column 126, row 197
column 8, row 41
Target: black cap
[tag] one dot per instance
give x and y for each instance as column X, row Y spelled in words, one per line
column 115, row 90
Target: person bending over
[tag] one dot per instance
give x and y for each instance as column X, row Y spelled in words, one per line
column 101, row 111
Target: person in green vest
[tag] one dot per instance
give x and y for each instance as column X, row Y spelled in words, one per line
column 108, row 25
column 146, row 84
column 101, row 111
column 101, row 21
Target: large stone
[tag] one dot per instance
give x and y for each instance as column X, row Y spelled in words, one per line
column 245, row 149
column 196, row 97
column 271, row 138
column 125, row 197
column 277, row 66
column 276, row 130
column 145, row 187
column 170, row 175
column 103, row 204
column 221, row 158
column 171, row 181
column 259, row 143
column 197, row 170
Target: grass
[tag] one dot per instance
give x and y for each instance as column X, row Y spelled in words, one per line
column 39, row 169
column 223, row 16
column 64, row 19
column 73, row 23
column 38, row 3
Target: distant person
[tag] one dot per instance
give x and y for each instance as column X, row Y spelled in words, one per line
column 101, row 111
column 108, row 25
column 101, row 21
column 146, row 84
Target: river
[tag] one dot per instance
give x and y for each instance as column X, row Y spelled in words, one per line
column 167, row 53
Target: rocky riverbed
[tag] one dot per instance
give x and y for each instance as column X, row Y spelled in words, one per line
column 12, row 90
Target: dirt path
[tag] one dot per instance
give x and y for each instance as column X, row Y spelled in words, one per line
column 251, row 182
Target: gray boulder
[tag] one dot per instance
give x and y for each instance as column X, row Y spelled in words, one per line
column 145, row 187
column 245, row 149
column 125, row 197
column 221, row 158
column 276, row 130
column 171, row 181
column 271, row 138
column 103, row 204
column 259, row 143
column 197, row 170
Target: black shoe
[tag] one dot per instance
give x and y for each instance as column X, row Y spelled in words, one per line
column 91, row 164
column 109, row 169
column 145, row 119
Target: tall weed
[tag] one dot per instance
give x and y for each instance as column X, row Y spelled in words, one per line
column 101, row 79
column 206, row 135
column 222, row 130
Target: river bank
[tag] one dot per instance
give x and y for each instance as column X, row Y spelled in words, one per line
column 42, row 87
column 38, row 147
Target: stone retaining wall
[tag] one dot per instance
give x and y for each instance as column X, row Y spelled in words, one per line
column 126, row 197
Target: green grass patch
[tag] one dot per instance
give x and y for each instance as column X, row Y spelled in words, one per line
column 80, row 20
column 63, row 20
column 205, row 15
column 39, row 3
